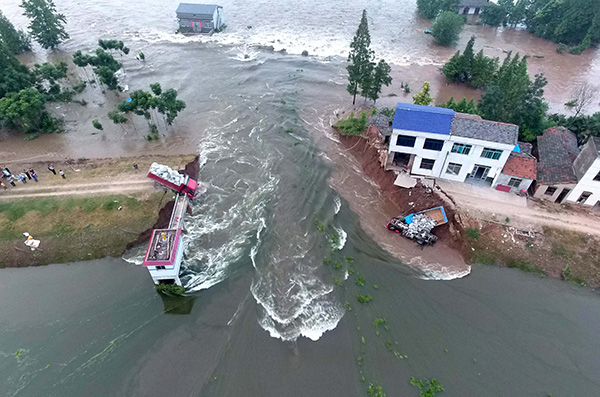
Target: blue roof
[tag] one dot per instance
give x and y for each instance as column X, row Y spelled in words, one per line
column 423, row 118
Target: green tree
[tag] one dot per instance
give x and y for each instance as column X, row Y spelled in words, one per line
column 423, row 97
column 474, row 70
column 24, row 110
column 381, row 77
column 494, row 15
column 46, row 24
column 14, row 76
column 513, row 98
column 117, row 117
column 447, row 28
column 15, row 40
column 432, row 8
column 361, row 56
column 484, row 69
column 104, row 65
column 461, row 106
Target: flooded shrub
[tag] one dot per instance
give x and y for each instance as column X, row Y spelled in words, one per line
column 170, row 289
column 365, row 298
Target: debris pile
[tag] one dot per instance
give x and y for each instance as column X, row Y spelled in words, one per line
column 418, row 230
column 167, row 173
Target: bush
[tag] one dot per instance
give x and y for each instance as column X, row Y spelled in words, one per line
column 473, row 233
column 561, row 48
column 170, row 289
column 97, row 125
column 353, row 126
column 447, row 28
column 364, row 298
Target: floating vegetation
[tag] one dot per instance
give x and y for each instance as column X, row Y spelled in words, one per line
column 375, row 286
column 427, row 388
column 360, row 281
column 337, row 265
column 347, row 306
column 326, row 261
column 338, row 282
column 19, row 352
column 362, row 339
column 335, row 239
column 375, row 390
column 318, row 224
column 379, row 321
column 364, row 298
column 350, row 259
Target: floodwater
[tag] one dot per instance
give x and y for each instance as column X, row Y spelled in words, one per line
column 265, row 315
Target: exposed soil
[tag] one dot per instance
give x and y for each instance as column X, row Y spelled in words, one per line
column 406, row 201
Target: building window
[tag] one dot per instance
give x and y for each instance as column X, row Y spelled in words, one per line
column 405, row 140
column 461, row 149
column 584, row 196
column 477, row 10
column 515, row 182
column 597, row 177
column 427, row 164
column 160, row 268
column 466, row 10
column 550, row 191
column 453, row 168
column 433, row 144
column 493, row 154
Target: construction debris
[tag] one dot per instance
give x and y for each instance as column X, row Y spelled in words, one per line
column 167, row 173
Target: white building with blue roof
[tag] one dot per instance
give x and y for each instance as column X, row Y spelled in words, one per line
column 439, row 143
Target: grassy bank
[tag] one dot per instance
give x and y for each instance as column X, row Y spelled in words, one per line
column 73, row 229
column 557, row 253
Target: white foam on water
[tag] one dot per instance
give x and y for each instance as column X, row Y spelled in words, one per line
column 338, row 204
column 342, row 237
column 437, row 271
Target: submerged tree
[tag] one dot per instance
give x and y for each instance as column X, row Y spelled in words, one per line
column 46, row 24
column 361, row 60
column 582, row 96
column 423, row 97
column 105, row 66
column 15, row 40
column 447, row 28
column 25, row 110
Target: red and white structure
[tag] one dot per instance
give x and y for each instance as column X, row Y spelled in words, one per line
column 165, row 250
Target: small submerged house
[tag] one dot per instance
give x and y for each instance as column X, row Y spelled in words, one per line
column 200, row 18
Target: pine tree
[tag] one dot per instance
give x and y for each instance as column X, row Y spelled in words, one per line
column 381, row 77
column 361, row 60
column 423, row 97
column 46, row 24
column 15, row 40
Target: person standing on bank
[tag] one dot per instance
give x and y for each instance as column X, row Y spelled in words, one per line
column 51, row 169
column 62, row 173
column 33, row 174
column 27, row 173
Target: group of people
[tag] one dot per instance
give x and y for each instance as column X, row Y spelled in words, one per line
column 23, row 177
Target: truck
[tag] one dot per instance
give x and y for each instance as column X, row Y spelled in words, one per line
column 172, row 179
column 418, row 226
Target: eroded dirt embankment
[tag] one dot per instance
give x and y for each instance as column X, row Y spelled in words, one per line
column 410, row 200
column 164, row 214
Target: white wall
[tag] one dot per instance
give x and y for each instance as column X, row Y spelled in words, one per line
column 445, row 156
column 588, row 184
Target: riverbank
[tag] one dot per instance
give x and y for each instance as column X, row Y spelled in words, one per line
column 98, row 210
column 548, row 250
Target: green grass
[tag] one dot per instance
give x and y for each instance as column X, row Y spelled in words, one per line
column 16, row 209
column 525, row 266
column 483, row 258
column 473, row 233
column 352, row 125
column 560, row 251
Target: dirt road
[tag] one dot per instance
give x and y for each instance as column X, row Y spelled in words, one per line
column 488, row 204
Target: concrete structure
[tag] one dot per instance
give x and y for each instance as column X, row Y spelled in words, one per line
column 200, row 18
column 472, row 8
column 587, row 170
column 383, row 124
column 440, row 143
column 519, row 172
column 557, row 150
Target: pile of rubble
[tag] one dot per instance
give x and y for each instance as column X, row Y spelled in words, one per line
column 167, row 173
column 420, row 229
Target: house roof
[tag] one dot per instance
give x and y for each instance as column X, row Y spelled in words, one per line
column 382, row 122
column 423, row 118
column 485, row 130
column 597, row 143
column 520, row 166
column 191, row 8
column 473, row 3
column 525, row 148
column 557, row 149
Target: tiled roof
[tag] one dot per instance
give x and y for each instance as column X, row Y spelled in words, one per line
column 557, row 149
column 423, row 118
column 382, row 122
column 520, row 166
column 485, row 130
column 473, row 3
column 526, row 148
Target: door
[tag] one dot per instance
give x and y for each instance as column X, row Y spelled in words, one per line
column 480, row 171
column 562, row 195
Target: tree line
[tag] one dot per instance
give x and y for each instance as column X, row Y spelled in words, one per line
column 25, row 91
column 511, row 96
column 573, row 24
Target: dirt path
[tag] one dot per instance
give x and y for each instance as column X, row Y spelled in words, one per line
column 488, row 204
column 108, row 187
